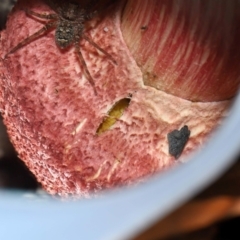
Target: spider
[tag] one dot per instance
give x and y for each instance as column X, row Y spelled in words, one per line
column 69, row 21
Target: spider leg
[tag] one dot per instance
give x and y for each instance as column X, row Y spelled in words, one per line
column 99, row 48
column 41, row 15
column 84, row 65
column 32, row 37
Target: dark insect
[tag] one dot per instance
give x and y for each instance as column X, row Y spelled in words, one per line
column 177, row 140
column 69, row 20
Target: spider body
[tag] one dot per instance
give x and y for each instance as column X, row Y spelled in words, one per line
column 69, row 21
column 70, row 25
column 73, row 12
column 66, row 34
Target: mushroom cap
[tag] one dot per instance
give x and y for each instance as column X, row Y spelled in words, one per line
column 53, row 116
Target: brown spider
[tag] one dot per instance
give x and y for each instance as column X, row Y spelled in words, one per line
column 69, row 20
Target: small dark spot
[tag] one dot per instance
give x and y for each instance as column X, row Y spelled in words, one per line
column 130, row 95
column 144, row 27
column 177, row 140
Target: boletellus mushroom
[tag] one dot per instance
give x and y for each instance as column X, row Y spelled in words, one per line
column 141, row 85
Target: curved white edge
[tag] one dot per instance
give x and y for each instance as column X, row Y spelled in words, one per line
column 121, row 213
